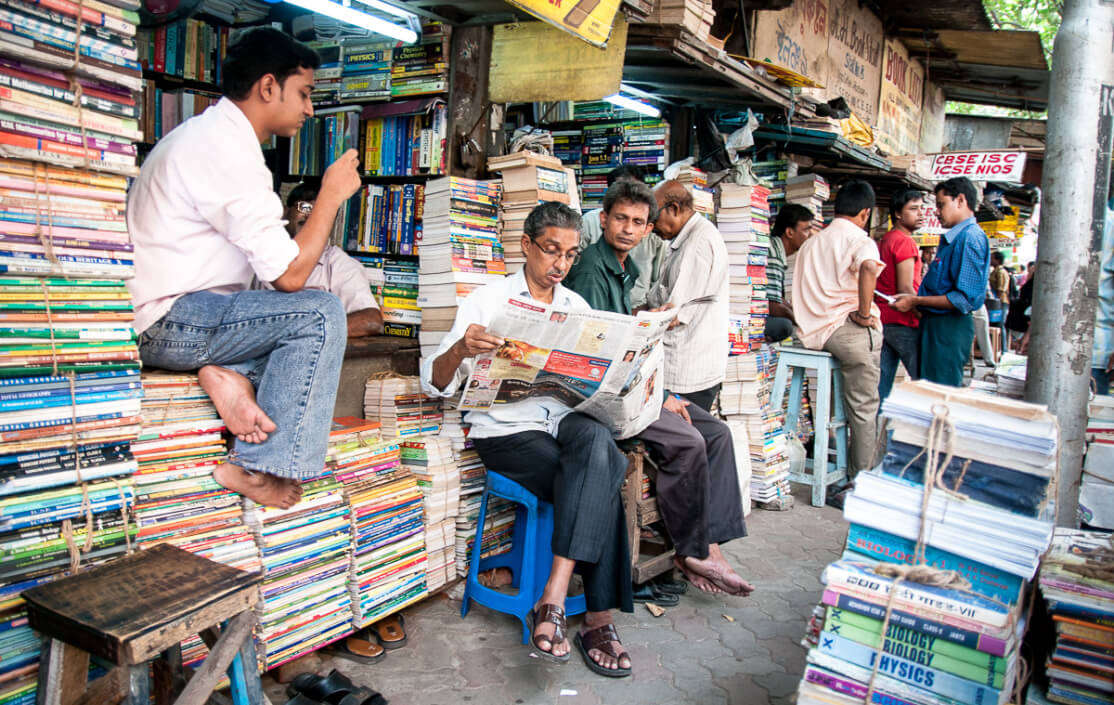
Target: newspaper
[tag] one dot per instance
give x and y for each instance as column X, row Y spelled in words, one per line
column 606, row 365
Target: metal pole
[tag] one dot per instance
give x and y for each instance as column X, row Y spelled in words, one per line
column 1076, row 172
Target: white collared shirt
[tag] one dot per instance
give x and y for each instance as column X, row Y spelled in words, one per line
column 203, row 214
column 341, row 276
column 695, row 267
column 480, row 307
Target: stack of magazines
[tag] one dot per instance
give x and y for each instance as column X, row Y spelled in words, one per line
column 952, row 637
column 399, row 406
column 430, row 459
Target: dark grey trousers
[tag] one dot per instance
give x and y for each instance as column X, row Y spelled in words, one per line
column 580, row 472
column 697, row 482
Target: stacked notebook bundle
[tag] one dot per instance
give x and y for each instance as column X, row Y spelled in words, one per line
column 773, row 174
column 743, row 220
column 430, row 459
column 769, row 455
column 703, row 198
column 460, row 250
column 696, row 16
column 1077, row 581
column 306, row 558
column 808, row 190
column 399, row 406
column 528, row 179
column 387, row 568
column 421, row 69
column 979, row 529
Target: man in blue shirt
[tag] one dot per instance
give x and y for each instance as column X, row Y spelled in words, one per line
column 953, row 287
column 1102, row 352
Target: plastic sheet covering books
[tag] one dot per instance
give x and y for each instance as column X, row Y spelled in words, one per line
column 388, row 561
column 399, row 406
column 1077, row 582
column 926, row 604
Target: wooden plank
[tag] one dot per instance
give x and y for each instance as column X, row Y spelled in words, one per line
column 148, row 645
column 220, row 657
column 651, row 568
column 109, row 689
column 533, row 61
column 63, row 672
column 469, row 137
column 130, row 599
column 243, row 673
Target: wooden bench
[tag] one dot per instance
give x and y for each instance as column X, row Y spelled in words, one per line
column 136, row 610
column 649, row 557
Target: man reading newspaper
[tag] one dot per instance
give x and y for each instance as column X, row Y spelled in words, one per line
column 697, row 485
column 562, row 456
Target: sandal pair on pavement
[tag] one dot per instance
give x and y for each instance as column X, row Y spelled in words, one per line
column 373, row 644
column 600, row 639
column 333, row 689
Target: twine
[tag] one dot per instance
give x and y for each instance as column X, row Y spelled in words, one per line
column 47, row 240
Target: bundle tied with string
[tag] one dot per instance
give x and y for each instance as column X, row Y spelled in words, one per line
column 941, row 441
column 379, row 411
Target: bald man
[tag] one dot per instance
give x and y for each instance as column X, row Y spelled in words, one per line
column 694, row 279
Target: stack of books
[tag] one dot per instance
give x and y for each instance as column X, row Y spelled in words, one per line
column 430, row 460
column 460, row 250
column 1077, row 582
column 646, row 144
column 306, row 558
column 528, row 179
column 387, row 568
column 696, row 16
column 395, row 286
column 773, row 174
column 399, row 406
column 163, row 110
column 386, row 218
column 743, row 220
column 365, row 72
column 190, row 49
column 568, row 147
column 987, row 517
column 322, row 138
column 421, row 69
column 703, row 199
column 1096, row 490
column 769, row 454
column 405, row 145
column 808, row 190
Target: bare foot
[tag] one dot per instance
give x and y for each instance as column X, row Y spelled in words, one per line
column 234, row 398
column 268, row 490
column 719, row 574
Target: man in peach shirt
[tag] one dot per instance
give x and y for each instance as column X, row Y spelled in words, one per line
column 833, row 303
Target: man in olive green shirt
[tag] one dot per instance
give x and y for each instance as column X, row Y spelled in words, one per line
column 606, row 274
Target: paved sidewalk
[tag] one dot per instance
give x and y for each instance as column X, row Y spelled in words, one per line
column 693, row 654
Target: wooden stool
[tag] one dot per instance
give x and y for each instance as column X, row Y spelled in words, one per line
column 129, row 611
column 829, row 414
column 649, row 558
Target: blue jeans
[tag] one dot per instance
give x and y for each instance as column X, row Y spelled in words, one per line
column 1101, row 380
column 289, row 345
column 898, row 343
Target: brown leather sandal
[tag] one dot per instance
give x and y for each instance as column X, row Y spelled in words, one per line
column 390, row 632
column 556, row 616
column 599, row 639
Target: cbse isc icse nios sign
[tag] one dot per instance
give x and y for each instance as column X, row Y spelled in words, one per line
column 979, row 166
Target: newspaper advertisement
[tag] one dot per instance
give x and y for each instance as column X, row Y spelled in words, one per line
column 606, row 365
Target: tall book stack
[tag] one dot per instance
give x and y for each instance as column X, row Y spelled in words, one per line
column 460, row 250
column 743, row 220
column 421, row 69
column 1077, row 582
column 177, row 500
column 769, row 454
column 703, row 199
column 399, row 406
column 528, row 179
column 69, row 371
column 808, row 190
column 568, row 146
column 603, row 151
column 430, row 460
column 306, row 558
column 773, row 174
column 395, row 286
column 387, row 569
column 646, row 144
column 952, row 637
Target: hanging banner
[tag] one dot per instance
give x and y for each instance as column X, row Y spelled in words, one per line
column 899, row 109
column 590, row 20
column 978, row 166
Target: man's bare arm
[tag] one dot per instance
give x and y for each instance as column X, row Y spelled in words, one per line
column 368, row 321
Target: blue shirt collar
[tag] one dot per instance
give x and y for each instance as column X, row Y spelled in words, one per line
column 950, row 234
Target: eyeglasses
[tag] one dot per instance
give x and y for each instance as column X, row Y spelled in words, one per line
column 304, row 207
column 571, row 257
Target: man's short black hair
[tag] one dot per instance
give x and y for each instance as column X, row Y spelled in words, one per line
column 626, row 172
column 853, row 197
column 955, row 186
column 263, row 51
column 634, row 192
column 997, row 256
column 903, row 197
column 550, row 214
column 790, row 215
column 302, row 192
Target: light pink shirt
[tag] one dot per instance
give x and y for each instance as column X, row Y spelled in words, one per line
column 341, row 276
column 203, row 214
column 826, row 280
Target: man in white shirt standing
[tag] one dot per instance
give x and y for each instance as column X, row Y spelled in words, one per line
column 694, row 280
column 336, row 272
column 562, row 456
column 204, row 219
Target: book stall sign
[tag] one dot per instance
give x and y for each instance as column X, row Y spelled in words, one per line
column 796, row 38
column 978, row 166
column 930, row 217
column 591, row 20
column 854, row 57
column 899, row 101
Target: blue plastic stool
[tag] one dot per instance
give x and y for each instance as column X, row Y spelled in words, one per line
column 529, row 559
column 829, row 402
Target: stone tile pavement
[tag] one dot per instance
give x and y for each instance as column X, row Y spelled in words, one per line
column 692, row 654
